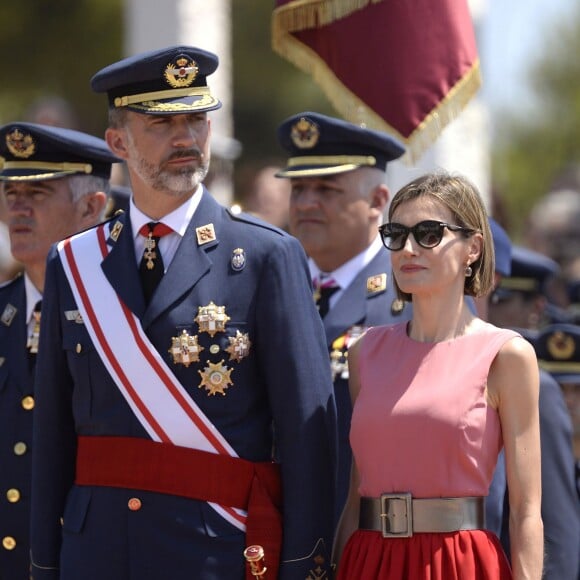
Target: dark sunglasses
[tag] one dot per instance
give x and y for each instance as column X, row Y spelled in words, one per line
column 428, row 234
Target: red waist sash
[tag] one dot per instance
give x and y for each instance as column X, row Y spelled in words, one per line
column 134, row 463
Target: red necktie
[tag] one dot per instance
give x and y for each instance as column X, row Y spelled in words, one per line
column 151, row 268
column 323, row 290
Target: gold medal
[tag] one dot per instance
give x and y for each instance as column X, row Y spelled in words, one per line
column 149, row 254
column 185, row 349
column 211, row 319
column 215, row 378
column 239, row 346
column 32, row 343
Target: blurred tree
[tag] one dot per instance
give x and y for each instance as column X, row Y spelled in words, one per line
column 532, row 152
column 51, row 49
column 267, row 89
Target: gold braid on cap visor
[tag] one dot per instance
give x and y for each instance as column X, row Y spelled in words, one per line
column 161, row 95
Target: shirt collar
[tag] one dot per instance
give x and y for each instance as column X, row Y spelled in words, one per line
column 177, row 220
column 32, row 296
column 346, row 273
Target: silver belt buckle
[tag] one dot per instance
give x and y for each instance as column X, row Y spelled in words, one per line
column 396, row 515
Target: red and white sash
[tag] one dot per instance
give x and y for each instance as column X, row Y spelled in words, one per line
column 155, row 396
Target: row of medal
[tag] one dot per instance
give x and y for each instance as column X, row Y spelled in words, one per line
column 185, row 349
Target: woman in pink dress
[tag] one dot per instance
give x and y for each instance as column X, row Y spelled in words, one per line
column 434, row 401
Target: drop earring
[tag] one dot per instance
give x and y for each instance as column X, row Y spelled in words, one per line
column 468, row 271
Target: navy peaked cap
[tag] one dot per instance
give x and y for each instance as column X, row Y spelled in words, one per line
column 558, row 351
column 502, row 246
column 320, row 145
column 161, row 82
column 530, row 272
column 32, row 152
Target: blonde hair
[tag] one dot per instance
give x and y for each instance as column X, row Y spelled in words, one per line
column 462, row 198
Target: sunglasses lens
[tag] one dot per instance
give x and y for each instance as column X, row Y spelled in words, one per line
column 394, row 236
column 428, row 234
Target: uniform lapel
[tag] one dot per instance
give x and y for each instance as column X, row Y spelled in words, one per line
column 351, row 307
column 190, row 262
column 120, row 268
column 16, row 334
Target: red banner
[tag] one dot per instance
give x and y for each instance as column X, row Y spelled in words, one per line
column 407, row 67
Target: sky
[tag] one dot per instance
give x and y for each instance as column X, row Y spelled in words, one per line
column 513, row 35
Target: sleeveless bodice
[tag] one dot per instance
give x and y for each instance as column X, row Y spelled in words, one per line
column 421, row 422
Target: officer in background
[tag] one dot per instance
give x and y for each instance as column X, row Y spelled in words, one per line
column 199, row 359
column 53, row 183
column 558, row 349
column 337, row 172
column 519, row 303
column 526, row 298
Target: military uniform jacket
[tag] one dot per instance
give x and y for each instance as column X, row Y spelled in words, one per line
column 370, row 300
column 16, row 404
column 280, row 398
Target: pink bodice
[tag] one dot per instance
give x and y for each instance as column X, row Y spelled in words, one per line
column 421, row 422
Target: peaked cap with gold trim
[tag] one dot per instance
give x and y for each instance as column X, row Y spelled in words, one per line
column 558, row 350
column 32, row 152
column 530, row 273
column 319, row 145
column 161, row 82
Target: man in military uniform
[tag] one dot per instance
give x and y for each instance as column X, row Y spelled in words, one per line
column 338, row 197
column 53, row 183
column 519, row 302
column 198, row 360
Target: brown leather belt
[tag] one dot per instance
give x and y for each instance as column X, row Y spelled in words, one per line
column 399, row 515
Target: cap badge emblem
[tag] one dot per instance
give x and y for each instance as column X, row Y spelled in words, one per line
column 561, row 345
column 304, row 134
column 211, row 318
column 181, row 73
column 185, row 349
column 20, row 144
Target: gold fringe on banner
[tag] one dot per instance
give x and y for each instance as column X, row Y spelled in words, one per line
column 305, row 14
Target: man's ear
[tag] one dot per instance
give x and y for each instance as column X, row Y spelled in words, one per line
column 379, row 199
column 115, row 139
column 92, row 208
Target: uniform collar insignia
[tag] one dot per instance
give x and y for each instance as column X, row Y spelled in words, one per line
column 205, row 234
column 8, row 314
column 377, row 283
column 116, row 231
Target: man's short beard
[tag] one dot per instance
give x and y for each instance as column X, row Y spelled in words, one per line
column 180, row 183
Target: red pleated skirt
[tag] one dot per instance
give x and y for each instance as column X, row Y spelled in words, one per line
column 464, row 555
